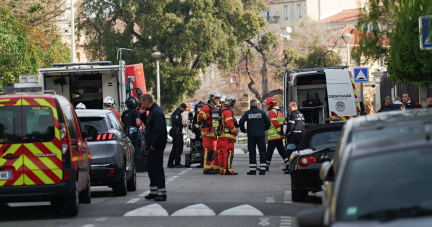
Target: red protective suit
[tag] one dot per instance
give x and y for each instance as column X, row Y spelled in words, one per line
column 208, row 137
column 227, row 140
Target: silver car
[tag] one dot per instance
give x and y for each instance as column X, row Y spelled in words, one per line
column 112, row 161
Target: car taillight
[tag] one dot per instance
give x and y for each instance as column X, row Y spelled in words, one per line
column 305, row 161
column 112, row 172
column 66, row 174
column 64, row 138
column 106, row 136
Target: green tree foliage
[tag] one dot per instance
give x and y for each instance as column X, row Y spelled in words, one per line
column 390, row 30
column 28, row 39
column 319, row 57
column 191, row 34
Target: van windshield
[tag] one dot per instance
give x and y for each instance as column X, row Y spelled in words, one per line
column 26, row 124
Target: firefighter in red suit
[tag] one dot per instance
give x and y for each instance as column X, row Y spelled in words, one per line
column 209, row 138
column 228, row 137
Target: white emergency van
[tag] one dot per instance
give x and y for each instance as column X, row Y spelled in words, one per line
column 323, row 95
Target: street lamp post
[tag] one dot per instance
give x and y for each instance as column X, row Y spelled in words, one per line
column 158, row 55
column 347, row 37
column 72, row 31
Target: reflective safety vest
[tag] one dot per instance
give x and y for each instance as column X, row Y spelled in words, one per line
column 229, row 129
column 273, row 132
column 204, row 117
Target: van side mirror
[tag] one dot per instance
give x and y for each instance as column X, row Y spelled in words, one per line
column 132, row 131
column 327, row 172
column 311, row 218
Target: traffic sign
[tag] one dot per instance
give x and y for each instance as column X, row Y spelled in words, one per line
column 425, row 23
column 361, row 75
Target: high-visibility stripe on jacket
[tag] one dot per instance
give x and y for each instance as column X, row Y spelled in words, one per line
column 230, row 131
column 205, row 117
column 277, row 121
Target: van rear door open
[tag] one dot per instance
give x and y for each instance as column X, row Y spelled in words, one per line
column 341, row 95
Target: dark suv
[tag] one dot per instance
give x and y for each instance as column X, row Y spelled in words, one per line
column 43, row 154
column 113, row 160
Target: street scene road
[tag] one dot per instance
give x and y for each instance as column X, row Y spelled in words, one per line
column 194, row 199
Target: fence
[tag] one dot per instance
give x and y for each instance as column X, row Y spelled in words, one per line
column 390, row 88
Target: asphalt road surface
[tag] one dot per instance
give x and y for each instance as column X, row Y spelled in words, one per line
column 194, row 199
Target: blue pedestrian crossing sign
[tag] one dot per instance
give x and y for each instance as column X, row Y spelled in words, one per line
column 425, row 24
column 361, row 75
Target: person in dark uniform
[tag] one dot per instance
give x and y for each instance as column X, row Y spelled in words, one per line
column 406, row 97
column 131, row 117
column 257, row 123
column 176, row 133
column 155, row 139
column 295, row 128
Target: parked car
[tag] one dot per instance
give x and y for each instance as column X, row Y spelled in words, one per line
column 379, row 184
column 385, row 125
column 44, row 155
column 113, row 161
column 317, row 146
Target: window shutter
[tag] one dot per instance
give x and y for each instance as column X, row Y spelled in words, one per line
column 296, row 11
column 289, row 12
column 303, row 10
column 272, row 11
column 282, row 18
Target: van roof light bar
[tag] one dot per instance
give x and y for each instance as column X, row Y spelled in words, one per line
column 319, row 68
column 81, row 63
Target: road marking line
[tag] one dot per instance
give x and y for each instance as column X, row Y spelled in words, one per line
column 243, row 210
column 133, row 200
column 264, row 221
column 88, row 225
column 285, row 221
column 145, row 193
column 149, row 210
column 287, row 201
column 195, row 210
column 102, row 219
column 270, row 200
column 184, row 171
column 181, row 173
column 172, row 178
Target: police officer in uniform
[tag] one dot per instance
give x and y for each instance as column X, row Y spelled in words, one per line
column 257, row 123
column 176, row 133
column 131, row 117
column 295, row 128
column 155, row 139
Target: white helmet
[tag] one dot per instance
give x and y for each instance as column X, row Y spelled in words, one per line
column 223, row 99
column 80, row 106
column 215, row 94
column 108, row 101
column 230, row 100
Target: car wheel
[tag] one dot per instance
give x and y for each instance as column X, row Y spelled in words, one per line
column 120, row 188
column 85, row 196
column 187, row 160
column 71, row 201
column 298, row 195
column 131, row 183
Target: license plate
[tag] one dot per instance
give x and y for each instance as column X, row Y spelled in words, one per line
column 6, row 175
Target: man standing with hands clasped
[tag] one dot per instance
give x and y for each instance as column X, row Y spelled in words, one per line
column 176, row 133
column 155, row 140
column 257, row 123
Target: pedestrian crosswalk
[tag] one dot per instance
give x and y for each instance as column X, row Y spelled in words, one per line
column 193, row 210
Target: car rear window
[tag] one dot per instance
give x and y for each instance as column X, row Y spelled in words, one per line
column 10, row 125
column 375, row 185
column 325, row 138
column 26, row 124
column 93, row 126
column 38, row 124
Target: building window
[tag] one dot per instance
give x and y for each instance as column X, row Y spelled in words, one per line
column 300, row 11
column 286, row 13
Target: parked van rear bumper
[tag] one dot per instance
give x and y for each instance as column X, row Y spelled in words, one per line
column 37, row 192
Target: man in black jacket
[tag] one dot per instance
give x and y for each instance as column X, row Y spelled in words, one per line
column 155, row 139
column 176, row 133
column 257, row 123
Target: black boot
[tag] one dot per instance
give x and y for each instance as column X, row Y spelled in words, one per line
column 262, row 172
column 210, row 172
column 252, row 172
column 160, row 198
column 150, row 196
column 267, row 168
column 229, row 173
column 286, row 168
